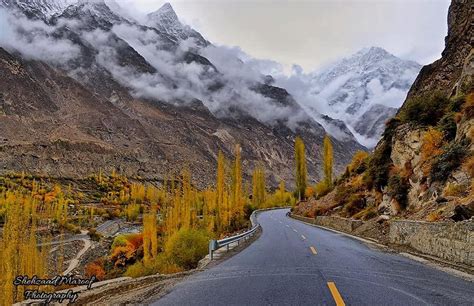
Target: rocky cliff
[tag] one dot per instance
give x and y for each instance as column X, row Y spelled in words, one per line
column 423, row 167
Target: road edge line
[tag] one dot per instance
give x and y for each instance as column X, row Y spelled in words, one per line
column 433, row 263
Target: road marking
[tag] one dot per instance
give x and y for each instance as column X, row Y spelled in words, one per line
column 335, row 294
column 280, row 221
column 302, row 236
column 287, row 226
column 313, row 250
column 295, row 231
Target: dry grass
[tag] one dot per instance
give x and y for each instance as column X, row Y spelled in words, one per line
column 433, row 216
column 455, row 190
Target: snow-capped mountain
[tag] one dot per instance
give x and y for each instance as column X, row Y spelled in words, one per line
column 363, row 90
column 166, row 21
column 147, row 94
column 39, row 8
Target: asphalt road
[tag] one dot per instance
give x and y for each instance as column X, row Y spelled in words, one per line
column 293, row 263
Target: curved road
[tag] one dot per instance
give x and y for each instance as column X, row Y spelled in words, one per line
column 293, row 263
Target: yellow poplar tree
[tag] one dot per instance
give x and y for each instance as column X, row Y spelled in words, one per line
column 150, row 238
column 328, row 160
column 301, row 170
column 220, row 189
column 238, row 201
column 258, row 186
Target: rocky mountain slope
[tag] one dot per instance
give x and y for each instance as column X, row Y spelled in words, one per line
column 363, row 90
column 423, row 168
column 87, row 89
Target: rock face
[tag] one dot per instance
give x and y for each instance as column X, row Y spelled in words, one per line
column 444, row 74
column 92, row 111
column 451, row 75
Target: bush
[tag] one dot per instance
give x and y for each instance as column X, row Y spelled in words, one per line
column 448, row 161
column 398, row 189
column 95, row 268
column 468, row 165
column 432, row 142
column 162, row 264
column 359, row 162
column 448, row 126
column 322, row 189
column 455, row 104
column 94, row 235
column 455, row 190
column 355, row 204
column 379, row 166
column 424, row 110
column 468, row 107
column 186, row 247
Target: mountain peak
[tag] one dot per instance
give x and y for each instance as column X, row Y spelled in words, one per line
column 165, row 12
column 39, row 8
column 166, row 21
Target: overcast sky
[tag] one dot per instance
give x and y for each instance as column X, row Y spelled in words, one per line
column 311, row 33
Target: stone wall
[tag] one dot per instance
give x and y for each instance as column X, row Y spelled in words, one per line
column 337, row 223
column 450, row 241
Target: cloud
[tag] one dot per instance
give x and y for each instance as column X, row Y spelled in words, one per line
column 34, row 39
column 177, row 81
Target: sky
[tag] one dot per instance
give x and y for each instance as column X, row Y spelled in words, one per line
column 312, row 33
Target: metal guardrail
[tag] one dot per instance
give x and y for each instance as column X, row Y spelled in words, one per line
column 214, row 245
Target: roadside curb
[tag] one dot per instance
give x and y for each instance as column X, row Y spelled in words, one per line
column 422, row 258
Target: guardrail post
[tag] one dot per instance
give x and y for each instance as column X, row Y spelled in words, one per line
column 212, row 244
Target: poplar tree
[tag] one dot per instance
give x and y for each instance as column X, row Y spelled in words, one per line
column 258, row 187
column 237, row 199
column 328, row 161
column 301, row 170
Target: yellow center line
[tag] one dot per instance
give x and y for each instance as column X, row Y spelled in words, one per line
column 335, row 294
column 302, row 236
column 313, row 250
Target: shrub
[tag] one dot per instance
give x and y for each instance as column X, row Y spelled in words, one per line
column 468, row 107
column 424, row 110
column 468, row 165
column 359, row 162
column 356, row 203
column 322, row 189
column 398, row 189
column 379, row 166
column 433, row 216
column 454, row 190
column 448, row 126
column 126, row 249
column 366, row 214
column 94, row 235
column 162, row 264
column 309, row 193
column 455, row 104
column 186, row 247
column 430, row 148
column 95, row 268
column 448, row 161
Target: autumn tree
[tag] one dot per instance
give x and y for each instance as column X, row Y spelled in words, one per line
column 150, row 238
column 258, row 186
column 237, row 199
column 301, row 170
column 328, row 160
